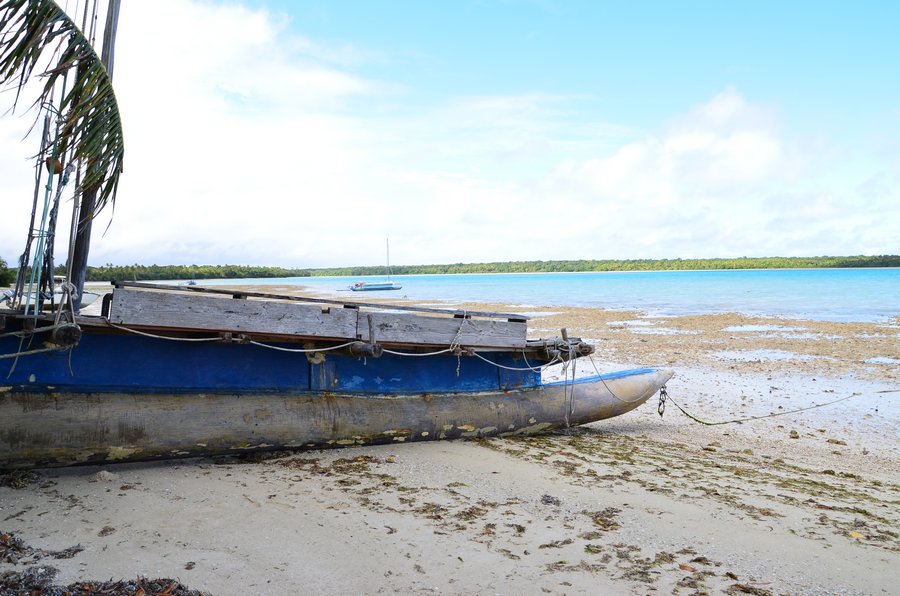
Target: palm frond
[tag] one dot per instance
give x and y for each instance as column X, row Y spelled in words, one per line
column 90, row 121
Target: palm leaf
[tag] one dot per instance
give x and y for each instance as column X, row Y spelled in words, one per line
column 90, row 123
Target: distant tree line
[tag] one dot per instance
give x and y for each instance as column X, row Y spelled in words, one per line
column 624, row 265
column 136, row 272
column 155, row 272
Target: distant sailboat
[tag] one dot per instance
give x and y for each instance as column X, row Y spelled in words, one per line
column 369, row 286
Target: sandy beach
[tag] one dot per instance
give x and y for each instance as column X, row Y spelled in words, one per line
column 802, row 503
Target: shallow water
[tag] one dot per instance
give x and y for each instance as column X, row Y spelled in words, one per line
column 865, row 295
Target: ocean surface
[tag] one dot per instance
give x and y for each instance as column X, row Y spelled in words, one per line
column 871, row 295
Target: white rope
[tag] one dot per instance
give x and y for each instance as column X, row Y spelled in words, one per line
column 187, row 339
column 602, row 380
column 302, row 350
column 532, row 369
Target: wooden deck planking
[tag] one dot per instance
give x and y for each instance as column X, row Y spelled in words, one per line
column 168, row 310
column 177, row 311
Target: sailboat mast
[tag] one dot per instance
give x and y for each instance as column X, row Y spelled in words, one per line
column 387, row 244
column 82, row 240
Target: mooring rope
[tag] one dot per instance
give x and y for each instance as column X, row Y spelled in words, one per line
column 664, row 396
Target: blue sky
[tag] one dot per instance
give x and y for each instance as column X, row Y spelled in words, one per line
column 304, row 133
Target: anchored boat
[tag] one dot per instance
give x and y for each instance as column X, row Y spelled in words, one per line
column 371, row 286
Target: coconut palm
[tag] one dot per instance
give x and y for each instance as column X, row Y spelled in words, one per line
column 37, row 37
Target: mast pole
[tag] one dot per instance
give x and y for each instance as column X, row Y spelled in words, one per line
column 82, row 240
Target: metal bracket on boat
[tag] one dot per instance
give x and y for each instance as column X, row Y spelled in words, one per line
column 361, row 348
column 66, row 334
column 461, row 351
column 663, row 394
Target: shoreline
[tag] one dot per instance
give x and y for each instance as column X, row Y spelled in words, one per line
column 803, row 503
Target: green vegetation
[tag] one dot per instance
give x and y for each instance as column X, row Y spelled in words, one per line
column 156, row 272
column 626, row 265
column 7, row 276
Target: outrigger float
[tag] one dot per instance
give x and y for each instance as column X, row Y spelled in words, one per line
column 176, row 371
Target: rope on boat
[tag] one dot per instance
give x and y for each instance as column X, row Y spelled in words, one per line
column 36, row 330
column 302, row 350
column 663, row 396
column 531, row 368
column 145, row 334
column 35, row 351
column 608, row 388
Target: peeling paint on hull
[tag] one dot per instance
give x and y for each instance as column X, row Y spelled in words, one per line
column 57, row 429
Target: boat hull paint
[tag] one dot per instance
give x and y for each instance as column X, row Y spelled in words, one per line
column 374, row 286
column 117, row 362
column 40, row 429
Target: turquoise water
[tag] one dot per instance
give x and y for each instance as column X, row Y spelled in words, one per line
column 817, row 294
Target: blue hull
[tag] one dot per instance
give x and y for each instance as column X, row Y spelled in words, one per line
column 121, row 397
column 115, row 362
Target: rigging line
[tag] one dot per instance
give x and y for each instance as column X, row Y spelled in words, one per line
column 552, row 362
column 608, row 388
column 35, row 351
column 302, row 350
column 186, row 339
column 28, row 332
column 773, row 415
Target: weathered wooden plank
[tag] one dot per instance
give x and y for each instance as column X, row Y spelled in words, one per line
column 350, row 304
column 167, row 310
column 193, row 312
column 418, row 329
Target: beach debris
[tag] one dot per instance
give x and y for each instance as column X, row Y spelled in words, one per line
column 557, row 543
column 39, row 580
column 605, row 520
column 106, row 531
column 794, row 434
column 190, row 565
column 13, row 550
column 19, row 478
column 102, row 476
column 550, row 500
column 747, row 589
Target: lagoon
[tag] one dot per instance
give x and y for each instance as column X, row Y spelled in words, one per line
column 863, row 295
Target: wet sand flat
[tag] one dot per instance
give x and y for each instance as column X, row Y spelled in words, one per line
column 805, row 503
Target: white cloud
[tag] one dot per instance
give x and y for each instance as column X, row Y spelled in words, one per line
column 246, row 143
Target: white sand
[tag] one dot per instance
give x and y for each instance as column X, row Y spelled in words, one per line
column 627, row 506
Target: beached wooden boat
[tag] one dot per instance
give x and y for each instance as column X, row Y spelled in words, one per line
column 181, row 371
column 184, row 371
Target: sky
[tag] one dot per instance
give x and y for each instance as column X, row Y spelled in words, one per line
column 305, row 134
